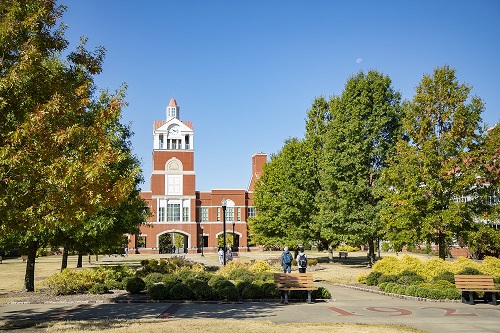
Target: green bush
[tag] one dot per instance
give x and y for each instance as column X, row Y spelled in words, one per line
column 270, row 290
column 447, row 276
column 203, row 292
column 134, row 284
column 435, row 294
column 412, row 290
column 452, row 293
column 386, row 278
column 347, row 248
column 264, row 276
column 469, row 271
column 241, row 274
column 114, row 285
column 382, row 285
column 408, row 278
column 170, row 280
column 153, row 278
column 252, row 291
column 422, row 292
column 228, row 292
column 218, row 282
column 181, row 291
column 390, row 287
column 158, row 291
column 99, row 288
column 70, row 281
column 372, row 278
column 321, row 293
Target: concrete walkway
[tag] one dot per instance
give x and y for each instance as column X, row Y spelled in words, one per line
column 347, row 306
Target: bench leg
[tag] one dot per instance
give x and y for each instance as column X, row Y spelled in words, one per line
column 309, row 300
column 494, row 298
column 286, row 296
column 468, row 297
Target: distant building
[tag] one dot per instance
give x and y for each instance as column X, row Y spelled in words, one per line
column 185, row 219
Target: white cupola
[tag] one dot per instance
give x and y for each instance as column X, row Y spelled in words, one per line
column 173, row 109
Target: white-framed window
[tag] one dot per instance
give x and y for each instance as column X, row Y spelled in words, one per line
column 229, row 213
column 174, row 144
column 239, row 214
column 185, row 214
column 174, row 183
column 186, row 142
column 204, row 214
column 251, row 212
column 218, row 213
column 173, row 212
column 141, row 241
column 161, row 214
column 160, row 141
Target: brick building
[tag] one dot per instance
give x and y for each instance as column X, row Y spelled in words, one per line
column 185, row 219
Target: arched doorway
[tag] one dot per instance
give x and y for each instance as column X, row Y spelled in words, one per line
column 172, row 242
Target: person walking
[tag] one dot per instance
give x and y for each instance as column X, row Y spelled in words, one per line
column 302, row 260
column 286, row 260
column 221, row 256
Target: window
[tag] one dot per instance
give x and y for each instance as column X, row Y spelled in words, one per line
column 230, row 214
column 251, row 212
column 218, row 213
column 161, row 141
column 161, row 214
column 239, row 214
column 174, row 184
column 174, row 144
column 173, row 212
column 204, row 214
column 186, row 141
column 185, row 214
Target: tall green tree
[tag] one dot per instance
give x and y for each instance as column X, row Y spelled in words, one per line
column 56, row 159
column 361, row 134
column 284, row 197
column 431, row 188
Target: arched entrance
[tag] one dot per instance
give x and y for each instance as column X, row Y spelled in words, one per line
column 172, row 242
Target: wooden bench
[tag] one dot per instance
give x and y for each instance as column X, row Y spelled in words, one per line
column 24, row 258
column 469, row 284
column 343, row 254
column 236, row 256
column 301, row 281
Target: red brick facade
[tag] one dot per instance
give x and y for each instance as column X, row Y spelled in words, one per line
column 193, row 218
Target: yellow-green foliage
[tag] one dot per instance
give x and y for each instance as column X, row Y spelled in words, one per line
column 72, row 282
column 491, row 266
column 435, row 267
column 361, row 278
column 347, row 248
column 226, row 271
column 260, row 266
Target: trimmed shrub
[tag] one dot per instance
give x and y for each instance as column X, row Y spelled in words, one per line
column 321, row 293
column 228, row 292
column 412, row 290
column 469, row 271
column 452, row 293
column 134, row 284
column 382, row 286
column 99, row 288
column 372, row 278
column 361, row 278
column 240, row 284
column 264, row 276
column 203, row 292
column 153, row 278
column 422, row 292
column 260, row 266
column 158, row 291
column 241, row 274
column 252, row 291
column 170, row 280
column 387, row 278
column 114, row 285
column 390, row 287
column 445, row 276
column 435, row 294
column 408, row 278
column 218, row 282
column 181, row 291
column 270, row 291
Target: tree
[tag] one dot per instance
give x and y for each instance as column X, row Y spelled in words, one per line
column 431, row 187
column 284, row 197
column 361, row 134
column 56, row 159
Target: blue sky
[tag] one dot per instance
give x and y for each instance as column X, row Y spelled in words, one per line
column 246, row 72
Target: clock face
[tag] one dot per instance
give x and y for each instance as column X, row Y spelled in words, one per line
column 173, row 130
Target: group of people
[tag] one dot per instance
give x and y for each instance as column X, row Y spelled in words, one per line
column 287, row 259
column 229, row 255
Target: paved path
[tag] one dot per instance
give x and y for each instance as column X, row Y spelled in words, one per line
column 347, row 306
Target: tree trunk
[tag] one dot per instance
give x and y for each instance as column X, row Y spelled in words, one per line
column 330, row 253
column 29, row 277
column 441, row 245
column 371, row 252
column 79, row 264
column 64, row 263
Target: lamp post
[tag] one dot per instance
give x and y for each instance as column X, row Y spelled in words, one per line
column 224, row 203
column 234, row 238
column 202, row 241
